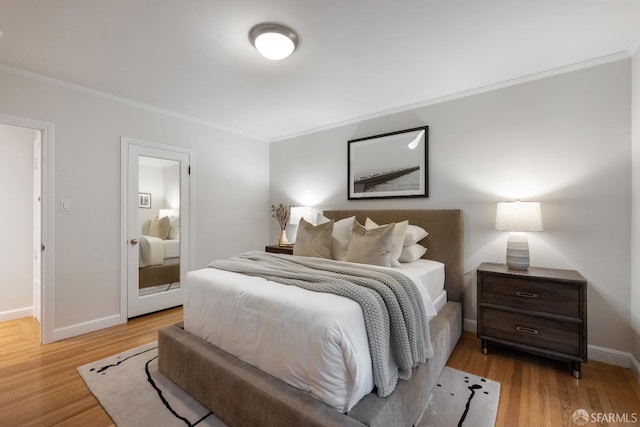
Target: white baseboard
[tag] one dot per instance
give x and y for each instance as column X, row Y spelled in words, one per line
column 16, row 314
column 600, row 354
column 470, row 325
column 609, row 356
column 635, row 368
column 85, row 327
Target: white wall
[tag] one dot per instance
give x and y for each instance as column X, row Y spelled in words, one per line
column 151, row 180
column 231, row 182
column 635, row 215
column 163, row 183
column 562, row 140
column 171, row 187
column 16, row 221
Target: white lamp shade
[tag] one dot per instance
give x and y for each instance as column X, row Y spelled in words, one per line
column 299, row 212
column 518, row 216
column 165, row 212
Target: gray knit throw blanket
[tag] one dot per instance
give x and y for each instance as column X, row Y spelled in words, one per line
column 394, row 315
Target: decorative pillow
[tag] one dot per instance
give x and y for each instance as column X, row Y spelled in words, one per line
column 412, row 253
column 313, row 241
column 145, row 227
column 174, row 228
column 370, row 246
column 399, row 231
column 341, row 235
column 414, row 235
column 159, row 228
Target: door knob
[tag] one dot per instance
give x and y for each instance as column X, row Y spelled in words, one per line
column 133, row 242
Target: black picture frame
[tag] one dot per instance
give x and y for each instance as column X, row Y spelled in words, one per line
column 144, row 200
column 389, row 165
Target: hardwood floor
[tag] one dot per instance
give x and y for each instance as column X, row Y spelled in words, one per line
column 536, row 391
column 39, row 385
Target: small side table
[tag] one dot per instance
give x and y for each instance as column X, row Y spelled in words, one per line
column 276, row 249
column 540, row 310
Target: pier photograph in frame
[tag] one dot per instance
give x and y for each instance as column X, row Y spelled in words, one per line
column 393, row 164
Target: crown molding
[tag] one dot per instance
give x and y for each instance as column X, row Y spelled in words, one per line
column 104, row 95
column 463, row 94
column 373, row 115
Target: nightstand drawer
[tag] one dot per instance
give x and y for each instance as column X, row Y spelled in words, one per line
column 548, row 296
column 560, row 336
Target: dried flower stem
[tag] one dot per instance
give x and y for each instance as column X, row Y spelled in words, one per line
column 281, row 213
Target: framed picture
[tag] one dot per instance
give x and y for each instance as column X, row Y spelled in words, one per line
column 389, row 165
column 144, row 200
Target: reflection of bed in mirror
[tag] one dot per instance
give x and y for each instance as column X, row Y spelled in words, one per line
column 164, row 274
column 159, row 253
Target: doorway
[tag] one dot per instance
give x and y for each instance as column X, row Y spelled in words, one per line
column 156, row 225
column 38, row 216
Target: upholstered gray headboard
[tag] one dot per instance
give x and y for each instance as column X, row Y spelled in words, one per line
column 445, row 242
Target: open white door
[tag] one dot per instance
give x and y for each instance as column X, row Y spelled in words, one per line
column 157, row 211
column 37, row 227
column 43, row 259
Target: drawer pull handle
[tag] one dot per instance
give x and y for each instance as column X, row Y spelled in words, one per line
column 526, row 294
column 526, row 330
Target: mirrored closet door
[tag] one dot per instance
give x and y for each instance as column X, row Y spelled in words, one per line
column 157, row 227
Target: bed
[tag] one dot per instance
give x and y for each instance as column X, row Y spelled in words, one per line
column 241, row 394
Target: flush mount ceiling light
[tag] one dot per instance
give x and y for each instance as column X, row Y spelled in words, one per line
column 273, row 41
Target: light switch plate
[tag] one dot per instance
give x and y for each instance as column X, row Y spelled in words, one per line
column 65, row 205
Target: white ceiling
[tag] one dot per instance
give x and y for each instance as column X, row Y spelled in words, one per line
column 357, row 58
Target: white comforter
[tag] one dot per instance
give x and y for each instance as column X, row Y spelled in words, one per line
column 151, row 250
column 326, row 354
column 313, row 341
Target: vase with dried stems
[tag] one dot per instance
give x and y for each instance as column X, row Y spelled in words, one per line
column 282, row 213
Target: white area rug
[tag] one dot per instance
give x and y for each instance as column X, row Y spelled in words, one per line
column 133, row 392
column 462, row 399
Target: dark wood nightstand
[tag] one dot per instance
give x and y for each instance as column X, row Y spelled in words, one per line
column 541, row 311
column 276, row 249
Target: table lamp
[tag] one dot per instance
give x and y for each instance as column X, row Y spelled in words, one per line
column 298, row 212
column 518, row 218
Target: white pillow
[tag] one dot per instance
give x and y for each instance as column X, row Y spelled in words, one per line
column 340, row 235
column 174, row 233
column 412, row 253
column 414, row 235
column 398, row 238
column 145, row 227
column 174, row 228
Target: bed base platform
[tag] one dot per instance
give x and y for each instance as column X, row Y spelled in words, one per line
column 163, row 274
column 242, row 395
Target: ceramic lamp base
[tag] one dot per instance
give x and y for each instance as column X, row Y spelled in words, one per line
column 518, row 251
